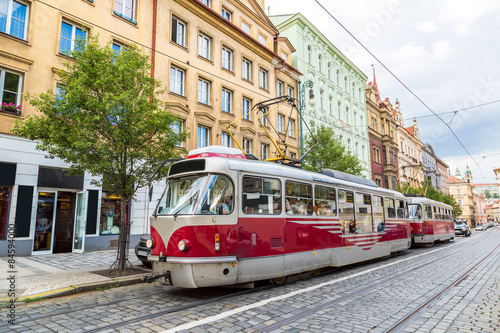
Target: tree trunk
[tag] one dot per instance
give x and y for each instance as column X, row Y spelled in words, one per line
column 122, row 246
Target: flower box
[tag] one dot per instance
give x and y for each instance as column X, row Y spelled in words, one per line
column 11, row 108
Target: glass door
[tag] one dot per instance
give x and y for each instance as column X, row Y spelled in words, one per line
column 44, row 223
column 80, row 222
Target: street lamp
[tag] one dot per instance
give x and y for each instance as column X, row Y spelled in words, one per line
column 302, row 104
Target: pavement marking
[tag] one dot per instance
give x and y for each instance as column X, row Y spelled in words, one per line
column 293, row 293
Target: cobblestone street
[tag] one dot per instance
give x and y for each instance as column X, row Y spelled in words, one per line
column 367, row 297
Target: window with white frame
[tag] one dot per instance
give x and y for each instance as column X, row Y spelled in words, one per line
column 284, row 56
column 246, row 107
column 203, row 91
column 329, row 71
column 14, row 18
column 10, row 90
column 227, row 58
column 293, row 155
column 205, row 2
column 116, row 48
column 204, row 46
column 291, row 128
column 320, row 63
column 338, row 77
column 309, row 54
column 228, row 15
column 330, row 105
column 125, row 8
column 225, row 140
column 177, row 127
column 290, row 91
column 178, row 31
column 347, row 114
column 246, row 69
column 262, row 39
column 264, row 119
column 339, row 105
column 70, row 33
column 227, row 101
column 177, row 80
column 280, row 86
column 264, row 151
column 263, row 78
column 203, row 137
column 245, row 27
column 281, row 123
column 247, row 146
column 322, row 105
column 345, row 83
column 353, row 88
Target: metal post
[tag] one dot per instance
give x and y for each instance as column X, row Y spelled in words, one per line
column 302, row 106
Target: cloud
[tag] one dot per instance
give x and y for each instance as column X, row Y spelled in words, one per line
column 427, row 26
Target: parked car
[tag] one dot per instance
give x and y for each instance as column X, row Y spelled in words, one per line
column 480, row 228
column 461, row 228
column 142, row 251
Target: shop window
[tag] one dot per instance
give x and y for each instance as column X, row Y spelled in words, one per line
column 4, row 210
column 110, row 214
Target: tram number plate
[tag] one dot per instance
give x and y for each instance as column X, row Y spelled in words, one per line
column 142, row 253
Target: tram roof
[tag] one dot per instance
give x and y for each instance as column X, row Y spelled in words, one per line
column 423, row 200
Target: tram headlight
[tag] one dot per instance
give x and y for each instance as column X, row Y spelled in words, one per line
column 184, row 245
column 150, row 243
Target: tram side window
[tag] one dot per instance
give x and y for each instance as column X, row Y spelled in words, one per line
column 325, row 200
column 390, row 212
column 428, row 211
column 435, row 213
column 298, row 199
column 378, row 213
column 400, row 209
column 261, row 195
column 346, row 212
column 364, row 220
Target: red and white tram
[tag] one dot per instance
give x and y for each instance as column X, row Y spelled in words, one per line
column 224, row 220
column 431, row 221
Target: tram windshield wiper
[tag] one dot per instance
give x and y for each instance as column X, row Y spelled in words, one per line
column 188, row 203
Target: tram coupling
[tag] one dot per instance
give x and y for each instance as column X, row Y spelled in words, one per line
column 155, row 276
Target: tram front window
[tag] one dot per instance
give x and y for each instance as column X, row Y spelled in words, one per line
column 415, row 211
column 200, row 194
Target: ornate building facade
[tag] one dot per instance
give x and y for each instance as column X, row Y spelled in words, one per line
column 337, row 83
column 462, row 187
column 382, row 134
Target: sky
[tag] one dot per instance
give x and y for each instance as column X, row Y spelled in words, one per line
column 446, row 52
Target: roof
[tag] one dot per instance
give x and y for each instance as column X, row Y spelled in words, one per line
column 453, row 179
column 411, row 130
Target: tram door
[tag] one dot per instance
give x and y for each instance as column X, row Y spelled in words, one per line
column 80, row 222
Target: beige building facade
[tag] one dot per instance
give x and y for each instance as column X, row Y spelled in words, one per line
column 462, row 189
column 217, row 59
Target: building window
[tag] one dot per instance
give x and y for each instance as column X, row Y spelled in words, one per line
column 110, row 214
column 226, row 14
column 263, row 78
column 203, row 91
column 262, row 39
column 338, row 108
column 264, row 151
column 347, row 114
column 177, row 77
column 281, row 123
column 320, row 63
column 227, row 59
column 178, row 31
column 376, row 155
column 13, row 18
column 329, row 71
column 330, row 105
column 279, row 88
column 338, row 77
column 290, row 91
column 459, row 192
column 264, row 119
column 321, row 103
column 309, row 54
column 116, row 48
column 293, row 155
column 245, row 27
column 360, row 97
column 10, row 91
column 284, row 56
column 353, row 89
column 125, row 8
column 203, row 137
column 204, row 45
column 345, row 83
column 225, row 140
column 69, row 35
column 247, row 106
column 177, row 127
column 205, row 2
column 459, row 202
column 227, row 103
column 247, row 146
column 291, row 128
column 247, row 70
column 5, row 194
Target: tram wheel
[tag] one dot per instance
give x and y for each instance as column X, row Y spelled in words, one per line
column 279, row 280
column 317, row 271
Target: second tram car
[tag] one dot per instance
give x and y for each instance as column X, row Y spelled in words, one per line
column 431, row 221
column 225, row 220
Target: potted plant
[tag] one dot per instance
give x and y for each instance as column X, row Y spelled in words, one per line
column 11, row 108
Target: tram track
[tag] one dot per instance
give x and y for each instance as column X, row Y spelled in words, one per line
column 403, row 322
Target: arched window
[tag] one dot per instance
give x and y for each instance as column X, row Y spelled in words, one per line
column 353, row 89
column 338, row 77
column 320, row 64
column 309, row 54
column 329, row 71
column 347, row 114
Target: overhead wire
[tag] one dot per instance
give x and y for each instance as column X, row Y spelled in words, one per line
column 404, row 85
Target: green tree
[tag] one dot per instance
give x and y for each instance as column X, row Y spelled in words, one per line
column 329, row 153
column 107, row 119
column 449, row 199
column 495, row 195
column 487, row 194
